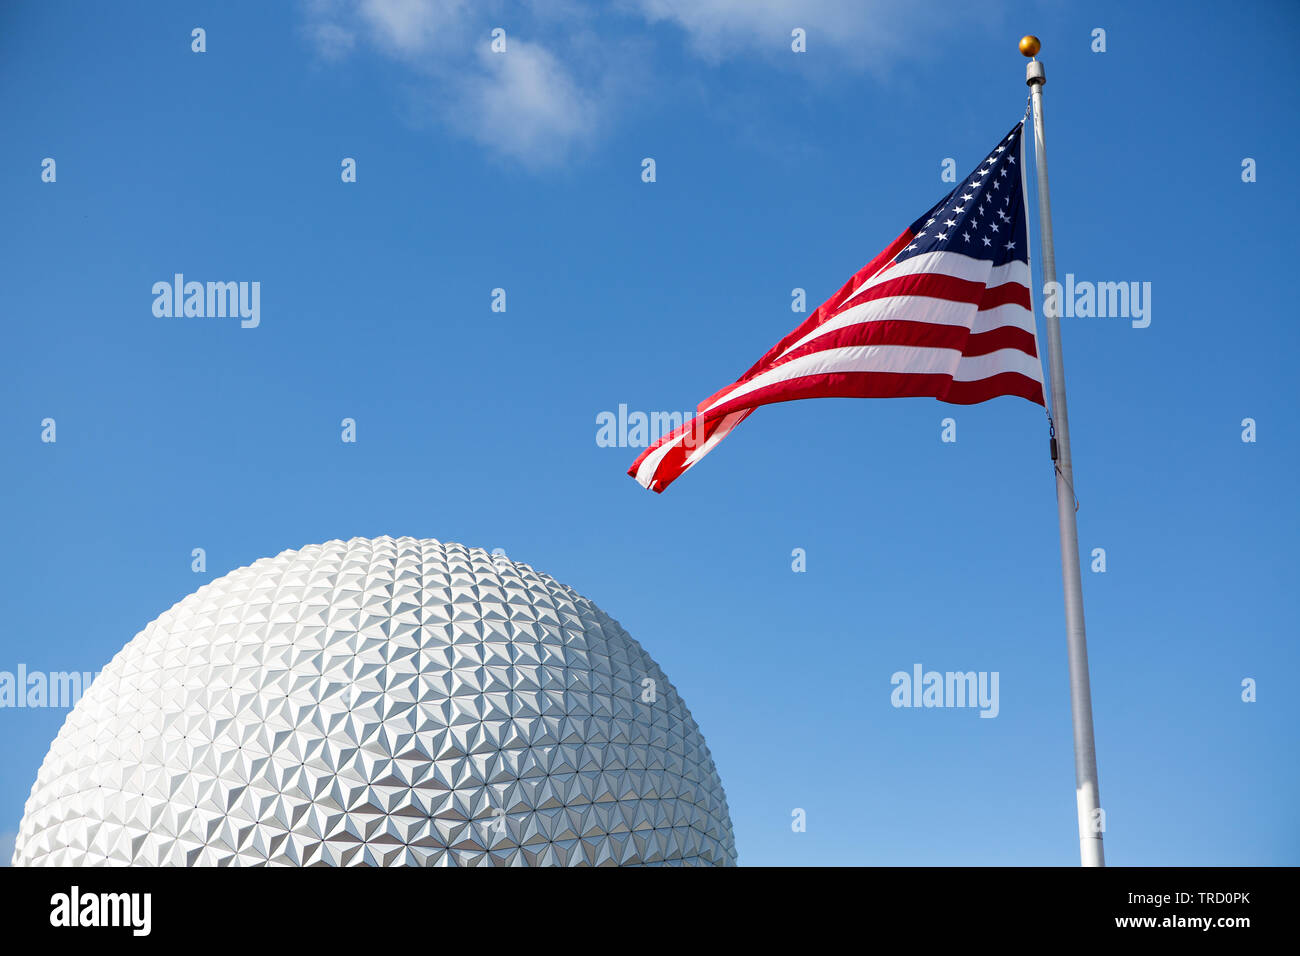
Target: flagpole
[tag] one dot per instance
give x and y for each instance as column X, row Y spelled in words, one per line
column 1085, row 753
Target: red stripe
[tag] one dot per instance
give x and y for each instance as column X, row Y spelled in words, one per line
column 890, row 385
column 699, row 428
column 920, row 334
column 928, row 284
column 673, row 464
column 670, row 467
column 935, row 285
column 1006, row 337
column 844, row 385
column 1004, row 383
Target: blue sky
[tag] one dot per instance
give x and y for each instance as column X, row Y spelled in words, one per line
column 774, row 170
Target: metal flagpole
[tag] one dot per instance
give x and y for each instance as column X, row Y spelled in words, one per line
column 1085, row 753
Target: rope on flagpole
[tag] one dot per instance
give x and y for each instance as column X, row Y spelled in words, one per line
column 1051, row 436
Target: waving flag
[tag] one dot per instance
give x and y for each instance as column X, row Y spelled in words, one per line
column 944, row 311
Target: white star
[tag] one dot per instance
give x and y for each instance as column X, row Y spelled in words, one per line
column 1011, row 245
column 1004, row 217
column 967, row 196
column 1000, row 149
column 919, row 235
column 1004, row 172
column 1011, row 159
column 986, row 240
column 959, row 209
column 942, row 235
column 993, row 227
column 966, row 236
column 1007, row 201
column 911, row 247
column 950, row 222
column 981, row 209
column 996, row 184
column 975, row 185
column 930, row 220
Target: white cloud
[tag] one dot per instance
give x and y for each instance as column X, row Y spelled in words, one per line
column 410, row 27
column 525, row 105
column 569, row 62
column 861, row 32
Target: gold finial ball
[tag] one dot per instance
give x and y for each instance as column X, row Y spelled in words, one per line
column 1030, row 46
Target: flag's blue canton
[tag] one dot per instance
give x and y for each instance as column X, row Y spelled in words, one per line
column 984, row 217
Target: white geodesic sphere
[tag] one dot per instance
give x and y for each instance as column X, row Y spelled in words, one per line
column 386, row 701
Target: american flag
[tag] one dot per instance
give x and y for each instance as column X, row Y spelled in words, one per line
column 944, row 311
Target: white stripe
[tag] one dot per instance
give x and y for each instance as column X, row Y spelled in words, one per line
column 954, row 264
column 914, row 308
column 973, row 368
column 728, row 423
column 1005, row 316
column 646, row 473
column 905, row 359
